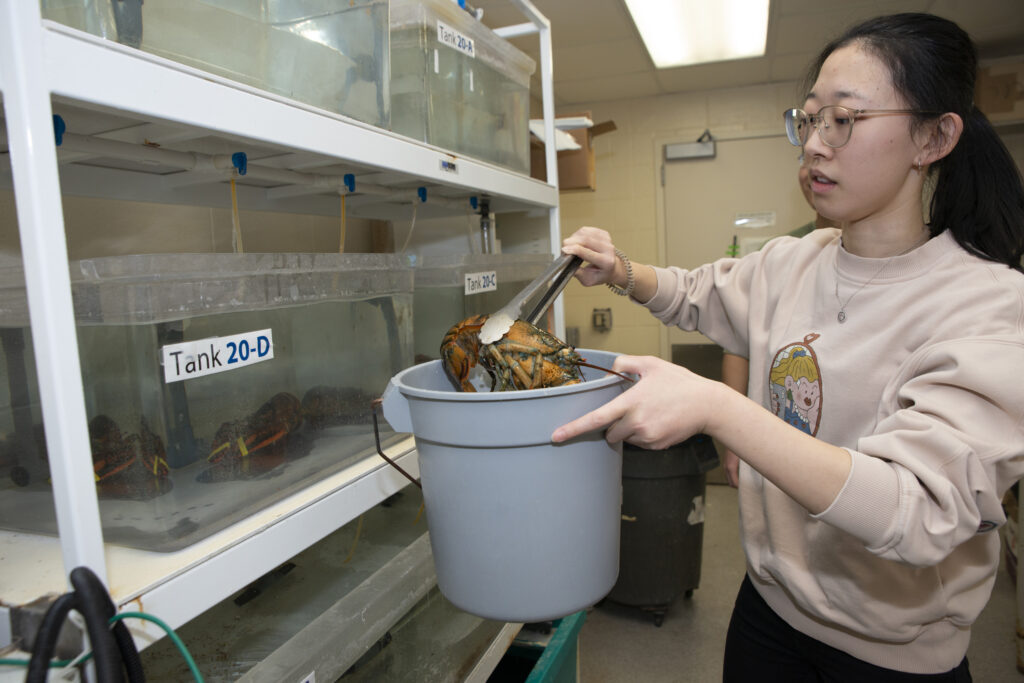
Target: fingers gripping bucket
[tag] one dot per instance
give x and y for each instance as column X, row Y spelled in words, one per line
column 521, row 529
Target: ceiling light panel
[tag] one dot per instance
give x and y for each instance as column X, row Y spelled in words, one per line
column 684, row 32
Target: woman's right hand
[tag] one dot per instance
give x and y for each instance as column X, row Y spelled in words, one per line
column 595, row 247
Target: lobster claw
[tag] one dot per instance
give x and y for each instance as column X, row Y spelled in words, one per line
column 460, row 351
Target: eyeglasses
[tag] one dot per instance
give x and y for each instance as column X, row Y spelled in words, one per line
column 833, row 123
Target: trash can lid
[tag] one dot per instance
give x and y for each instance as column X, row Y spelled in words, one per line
column 692, row 457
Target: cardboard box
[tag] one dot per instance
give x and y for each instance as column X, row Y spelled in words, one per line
column 576, row 168
column 999, row 91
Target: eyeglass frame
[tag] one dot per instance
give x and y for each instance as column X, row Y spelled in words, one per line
column 815, row 120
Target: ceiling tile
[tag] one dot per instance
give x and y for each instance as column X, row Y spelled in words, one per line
column 623, row 86
column 714, row 76
column 597, row 61
column 790, row 67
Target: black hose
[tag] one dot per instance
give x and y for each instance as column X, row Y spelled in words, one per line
column 112, row 652
column 94, row 604
column 129, row 653
column 46, row 638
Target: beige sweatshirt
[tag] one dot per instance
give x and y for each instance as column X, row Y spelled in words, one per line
column 923, row 384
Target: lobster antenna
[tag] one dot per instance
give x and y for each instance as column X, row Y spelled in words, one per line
column 598, row 367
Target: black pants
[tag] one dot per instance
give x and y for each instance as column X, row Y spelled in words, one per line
column 762, row 648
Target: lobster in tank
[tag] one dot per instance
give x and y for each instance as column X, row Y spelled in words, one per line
column 258, row 443
column 129, row 466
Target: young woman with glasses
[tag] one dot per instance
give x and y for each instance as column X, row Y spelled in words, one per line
column 892, row 349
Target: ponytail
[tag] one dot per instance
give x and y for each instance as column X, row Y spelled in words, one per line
column 979, row 195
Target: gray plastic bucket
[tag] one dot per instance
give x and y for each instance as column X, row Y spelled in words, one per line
column 521, row 529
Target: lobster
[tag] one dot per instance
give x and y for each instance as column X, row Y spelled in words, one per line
column 527, row 357
column 127, row 466
column 264, row 432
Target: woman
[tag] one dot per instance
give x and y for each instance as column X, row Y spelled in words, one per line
column 893, row 350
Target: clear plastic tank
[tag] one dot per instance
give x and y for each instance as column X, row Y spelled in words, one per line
column 458, row 85
column 215, row 384
column 332, row 55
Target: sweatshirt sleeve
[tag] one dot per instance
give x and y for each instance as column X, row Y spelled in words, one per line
column 712, row 299
column 716, row 299
column 948, row 444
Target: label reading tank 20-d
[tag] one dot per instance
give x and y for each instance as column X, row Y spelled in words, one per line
column 216, row 354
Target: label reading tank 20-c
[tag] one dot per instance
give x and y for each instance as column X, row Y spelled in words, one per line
column 216, row 354
column 478, row 283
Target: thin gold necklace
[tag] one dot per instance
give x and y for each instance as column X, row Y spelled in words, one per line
column 841, row 316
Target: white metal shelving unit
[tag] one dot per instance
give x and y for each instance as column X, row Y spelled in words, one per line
column 45, row 66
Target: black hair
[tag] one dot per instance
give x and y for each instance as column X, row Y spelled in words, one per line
column 978, row 194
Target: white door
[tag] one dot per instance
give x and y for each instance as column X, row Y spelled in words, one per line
column 754, row 178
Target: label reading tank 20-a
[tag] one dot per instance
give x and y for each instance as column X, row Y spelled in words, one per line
column 446, row 35
column 216, row 354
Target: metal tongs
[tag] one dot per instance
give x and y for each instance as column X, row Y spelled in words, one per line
column 558, row 273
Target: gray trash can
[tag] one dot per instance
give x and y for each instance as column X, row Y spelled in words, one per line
column 662, row 523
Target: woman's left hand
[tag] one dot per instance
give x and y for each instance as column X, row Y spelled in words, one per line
column 667, row 405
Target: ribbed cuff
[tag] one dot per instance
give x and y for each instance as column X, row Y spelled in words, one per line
column 872, row 485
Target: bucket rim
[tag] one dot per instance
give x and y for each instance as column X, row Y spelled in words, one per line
column 523, row 395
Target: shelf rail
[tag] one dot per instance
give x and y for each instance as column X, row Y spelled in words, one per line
column 201, row 167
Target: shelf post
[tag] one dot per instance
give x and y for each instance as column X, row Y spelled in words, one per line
column 538, row 23
column 551, row 160
column 30, row 135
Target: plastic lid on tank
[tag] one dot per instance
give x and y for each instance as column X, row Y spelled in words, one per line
column 487, row 45
column 444, row 270
column 285, row 11
column 160, row 287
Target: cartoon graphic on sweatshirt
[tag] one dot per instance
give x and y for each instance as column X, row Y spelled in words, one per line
column 795, row 384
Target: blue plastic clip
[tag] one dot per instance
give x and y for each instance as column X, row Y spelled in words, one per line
column 422, row 193
column 58, row 129
column 350, row 181
column 473, row 202
column 239, row 160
